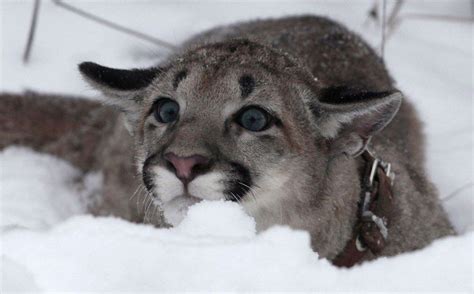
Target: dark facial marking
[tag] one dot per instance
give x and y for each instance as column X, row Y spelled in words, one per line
column 179, row 77
column 146, row 174
column 247, row 84
column 240, row 184
column 344, row 94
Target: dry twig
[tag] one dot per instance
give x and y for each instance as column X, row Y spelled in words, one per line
column 91, row 17
column 31, row 34
column 113, row 25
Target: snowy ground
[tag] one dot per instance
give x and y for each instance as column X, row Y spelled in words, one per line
column 43, row 248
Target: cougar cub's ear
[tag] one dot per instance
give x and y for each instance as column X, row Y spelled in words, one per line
column 122, row 87
column 349, row 118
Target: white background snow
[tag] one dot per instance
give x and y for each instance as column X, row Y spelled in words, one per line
column 48, row 244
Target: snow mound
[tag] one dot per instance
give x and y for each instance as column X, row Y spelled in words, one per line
column 39, row 190
column 228, row 220
column 107, row 254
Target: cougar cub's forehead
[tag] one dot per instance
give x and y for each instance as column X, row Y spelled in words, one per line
column 241, row 52
column 220, row 78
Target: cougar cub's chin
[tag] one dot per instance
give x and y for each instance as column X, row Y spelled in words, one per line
column 175, row 196
column 278, row 115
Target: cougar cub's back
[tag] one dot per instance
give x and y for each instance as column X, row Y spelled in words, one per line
column 338, row 59
column 329, row 51
column 274, row 114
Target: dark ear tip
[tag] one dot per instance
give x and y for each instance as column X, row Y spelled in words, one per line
column 117, row 79
column 87, row 67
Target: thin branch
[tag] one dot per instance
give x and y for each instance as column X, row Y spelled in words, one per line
column 31, row 34
column 395, row 12
column 384, row 20
column 114, row 26
column 396, row 19
column 457, row 191
column 438, row 17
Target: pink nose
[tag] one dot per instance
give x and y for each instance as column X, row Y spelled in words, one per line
column 185, row 167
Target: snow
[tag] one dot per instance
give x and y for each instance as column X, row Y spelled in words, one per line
column 48, row 242
column 214, row 249
column 51, row 188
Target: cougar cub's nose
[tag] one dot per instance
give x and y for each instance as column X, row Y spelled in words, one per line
column 186, row 168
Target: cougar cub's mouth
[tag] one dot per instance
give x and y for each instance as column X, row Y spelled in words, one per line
column 179, row 182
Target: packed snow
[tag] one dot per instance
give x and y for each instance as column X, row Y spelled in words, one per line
column 53, row 189
column 215, row 248
column 49, row 243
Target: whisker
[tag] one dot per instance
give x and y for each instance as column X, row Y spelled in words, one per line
column 134, row 193
column 153, row 213
column 250, row 189
column 144, row 202
column 141, row 196
column 149, row 202
column 148, row 206
column 235, row 197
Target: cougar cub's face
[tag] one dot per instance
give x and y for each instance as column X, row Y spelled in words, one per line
column 237, row 121
column 219, row 131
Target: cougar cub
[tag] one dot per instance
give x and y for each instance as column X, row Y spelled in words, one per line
column 273, row 114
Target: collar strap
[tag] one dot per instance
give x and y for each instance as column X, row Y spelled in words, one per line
column 375, row 206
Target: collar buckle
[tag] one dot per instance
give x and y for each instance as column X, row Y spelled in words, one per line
column 371, row 229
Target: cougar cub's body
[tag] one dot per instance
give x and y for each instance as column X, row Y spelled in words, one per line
column 272, row 114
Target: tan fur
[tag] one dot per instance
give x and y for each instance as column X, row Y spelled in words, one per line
column 303, row 172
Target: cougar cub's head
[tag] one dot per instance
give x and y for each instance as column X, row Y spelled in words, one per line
column 238, row 121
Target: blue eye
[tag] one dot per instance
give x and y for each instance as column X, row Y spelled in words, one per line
column 166, row 110
column 254, row 119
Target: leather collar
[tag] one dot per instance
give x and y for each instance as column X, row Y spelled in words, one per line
column 375, row 206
